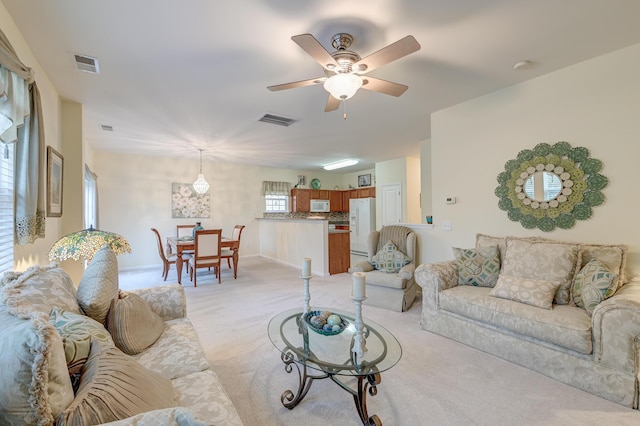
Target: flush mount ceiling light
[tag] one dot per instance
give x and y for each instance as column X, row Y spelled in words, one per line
column 200, row 185
column 340, row 164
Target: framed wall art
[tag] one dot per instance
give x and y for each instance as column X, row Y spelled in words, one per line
column 364, row 180
column 187, row 203
column 55, row 169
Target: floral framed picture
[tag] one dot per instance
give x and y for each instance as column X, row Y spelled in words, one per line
column 55, row 169
column 187, row 203
column 364, row 180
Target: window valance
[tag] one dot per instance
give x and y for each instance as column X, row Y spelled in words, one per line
column 275, row 188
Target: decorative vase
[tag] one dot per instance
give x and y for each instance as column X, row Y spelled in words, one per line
column 198, row 227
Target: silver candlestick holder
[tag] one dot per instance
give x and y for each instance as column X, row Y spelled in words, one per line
column 359, row 342
column 307, row 297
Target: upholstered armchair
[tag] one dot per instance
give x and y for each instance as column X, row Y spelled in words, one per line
column 390, row 268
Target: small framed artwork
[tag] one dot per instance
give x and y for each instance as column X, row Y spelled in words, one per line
column 364, row 180
column 55, row 163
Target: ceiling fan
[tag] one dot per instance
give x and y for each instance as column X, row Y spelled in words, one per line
column 344, row 69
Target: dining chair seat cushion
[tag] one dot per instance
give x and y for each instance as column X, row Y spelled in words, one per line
column 203, row 263
column 227, row 252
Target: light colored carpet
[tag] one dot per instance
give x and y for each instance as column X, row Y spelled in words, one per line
column 437, row 381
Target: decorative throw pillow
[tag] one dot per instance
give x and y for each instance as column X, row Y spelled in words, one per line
column 478, row 267
column 77, row 332
column 526, row 290
column 132, row 324
column 34, row 381
column 114, row 386
column 593, row 284
column 389, row 259
column 99, row 285
column 543, row 261
column 614, row 257
column 42, row 288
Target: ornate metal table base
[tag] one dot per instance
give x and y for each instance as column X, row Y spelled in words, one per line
column 366, row 384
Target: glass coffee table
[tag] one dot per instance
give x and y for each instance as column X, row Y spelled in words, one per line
column 317, row 356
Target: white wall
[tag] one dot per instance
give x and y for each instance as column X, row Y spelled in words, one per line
column 595, row 104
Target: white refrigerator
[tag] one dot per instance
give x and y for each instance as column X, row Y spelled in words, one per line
column 362, row 220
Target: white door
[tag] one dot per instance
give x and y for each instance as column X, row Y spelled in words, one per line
column 391, row 204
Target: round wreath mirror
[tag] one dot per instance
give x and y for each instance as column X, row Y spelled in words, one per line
column 551, row 186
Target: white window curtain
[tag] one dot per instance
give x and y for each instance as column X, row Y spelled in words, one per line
column 21, row 124
column 275, row 188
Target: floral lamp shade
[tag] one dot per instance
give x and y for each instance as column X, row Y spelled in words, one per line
column 86, row 243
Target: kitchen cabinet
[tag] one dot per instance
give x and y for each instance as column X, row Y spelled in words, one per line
column 346, row 196
column 335, row 200
column 366, row 192
column 320, row 194
column 339, row 253
column 300, row 200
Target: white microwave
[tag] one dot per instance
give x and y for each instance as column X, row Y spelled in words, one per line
column 319, row 206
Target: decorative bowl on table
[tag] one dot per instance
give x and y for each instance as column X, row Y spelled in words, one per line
column 325, row 322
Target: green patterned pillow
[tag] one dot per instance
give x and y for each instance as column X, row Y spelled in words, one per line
column 389, row 259
column 592, row 285
column 77, row 332
column 479, row 267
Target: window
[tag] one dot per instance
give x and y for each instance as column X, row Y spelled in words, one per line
column 276, row 203
column 90, row 199
column 6, row 208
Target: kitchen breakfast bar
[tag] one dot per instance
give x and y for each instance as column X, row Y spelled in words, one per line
column 288, row 241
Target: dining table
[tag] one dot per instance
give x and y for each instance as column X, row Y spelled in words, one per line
column 179, row 245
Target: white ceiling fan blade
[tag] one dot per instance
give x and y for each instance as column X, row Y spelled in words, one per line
column 295, row 84
column 392, row 52
column 332, row 104
column 313, row 47
column 383, row 86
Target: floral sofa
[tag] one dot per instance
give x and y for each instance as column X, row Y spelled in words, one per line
column 95, row 354
column 564, row 310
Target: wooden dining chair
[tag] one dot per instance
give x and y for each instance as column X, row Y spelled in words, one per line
column 169, row 258
column 184, row 230
column 207, row 253
column 227, row 253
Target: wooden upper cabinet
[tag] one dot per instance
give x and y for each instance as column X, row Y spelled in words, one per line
column 346, row 196
column 320, row 194
column 300, row 200
column 366, row 192
column 335, row 200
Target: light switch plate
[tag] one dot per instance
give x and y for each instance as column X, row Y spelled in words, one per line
column 450, row 200
column 446, row 225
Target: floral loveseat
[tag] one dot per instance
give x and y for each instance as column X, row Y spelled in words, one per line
column 562, row 309
column 61, row 365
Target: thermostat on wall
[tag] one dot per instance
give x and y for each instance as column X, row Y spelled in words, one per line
column 450, row 200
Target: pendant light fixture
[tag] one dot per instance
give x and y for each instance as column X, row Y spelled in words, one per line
column 200, row 185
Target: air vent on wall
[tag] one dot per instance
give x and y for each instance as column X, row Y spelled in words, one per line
column 276, row 119
column 87, row 64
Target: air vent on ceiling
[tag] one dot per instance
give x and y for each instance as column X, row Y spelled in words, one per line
column 106, row 127
column 87, row 64
column 276, row 119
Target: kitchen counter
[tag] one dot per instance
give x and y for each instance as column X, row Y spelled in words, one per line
column 289, row 241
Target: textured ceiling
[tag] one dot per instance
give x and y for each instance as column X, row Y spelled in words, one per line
column 176, row 76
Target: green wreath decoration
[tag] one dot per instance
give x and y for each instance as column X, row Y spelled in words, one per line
column 580, row 191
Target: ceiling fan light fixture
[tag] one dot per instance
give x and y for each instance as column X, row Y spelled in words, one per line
column 200, row 185
column 343, row 86
column 340, row 164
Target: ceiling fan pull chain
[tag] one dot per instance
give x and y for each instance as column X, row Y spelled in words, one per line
column 344, row 109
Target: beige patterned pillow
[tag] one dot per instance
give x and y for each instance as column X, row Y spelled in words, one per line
column 132, row 324
column 34, row 381
column 113, row 387
column 612, row 256
column 77, row 332
column 99, row 285
column 478, row 267
column 593, row 284
column 389, row 259
column 484, row 241
column 543, row 261
column 525, row 290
